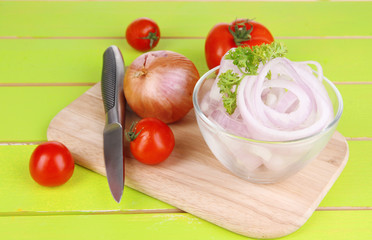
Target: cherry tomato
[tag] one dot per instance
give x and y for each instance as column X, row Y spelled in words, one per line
column 241, row 32
column 151, row 141
column 143, row 34
column 51, row 164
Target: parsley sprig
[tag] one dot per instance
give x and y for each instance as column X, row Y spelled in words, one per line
column 247, row 60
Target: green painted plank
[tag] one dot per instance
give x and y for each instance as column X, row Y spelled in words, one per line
column 85, row 191
column 27, row 111
column 342, row 60
column 353, row 187
column 356, row 118
column 333, row 225
column 75, row 60
column 80, row 60
column 105, row 18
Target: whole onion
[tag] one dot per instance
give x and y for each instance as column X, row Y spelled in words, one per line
column 160, row 84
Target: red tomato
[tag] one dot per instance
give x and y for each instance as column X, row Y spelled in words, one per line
column 143, row 34
column 152, row 141
column 241, row 32
column 51, row 164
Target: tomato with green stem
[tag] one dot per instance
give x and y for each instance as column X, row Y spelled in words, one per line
column 241, row 32
column 151, row 141
column 143, row 34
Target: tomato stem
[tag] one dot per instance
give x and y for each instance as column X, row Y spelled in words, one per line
column 132, row 135
column 152, row 37
column 240, row 32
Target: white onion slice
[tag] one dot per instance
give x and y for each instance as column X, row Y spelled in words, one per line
column 228, row 123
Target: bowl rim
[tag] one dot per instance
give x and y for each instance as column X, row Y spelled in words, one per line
column 220, row 129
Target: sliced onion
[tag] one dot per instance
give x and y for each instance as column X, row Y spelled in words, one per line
column 232, row 125
column 292, row 105
column 287, row 103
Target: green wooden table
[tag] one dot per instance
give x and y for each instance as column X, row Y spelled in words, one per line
column 51, row 53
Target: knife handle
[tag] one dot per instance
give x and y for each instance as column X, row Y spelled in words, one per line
column 112, row 85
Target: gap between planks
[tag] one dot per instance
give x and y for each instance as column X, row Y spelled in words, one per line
column 39, row 142
column 82, row 84
column 349, row 139
column 142, row 211
column 61, row 84
column 195, row 0
column 93, row 212
column 182, row 0
column 176, row 37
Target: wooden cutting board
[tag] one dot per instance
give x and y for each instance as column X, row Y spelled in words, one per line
column 192, row 179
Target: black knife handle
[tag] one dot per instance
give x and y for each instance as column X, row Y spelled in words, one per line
column 112, row 77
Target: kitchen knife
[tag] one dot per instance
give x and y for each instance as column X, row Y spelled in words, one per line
column 114, row 104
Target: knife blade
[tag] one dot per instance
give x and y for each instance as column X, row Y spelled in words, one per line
column 114, row 105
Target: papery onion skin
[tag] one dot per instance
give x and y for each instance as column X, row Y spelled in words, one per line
column 159, row 84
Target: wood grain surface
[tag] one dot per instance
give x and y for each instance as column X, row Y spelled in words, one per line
column 194, row 181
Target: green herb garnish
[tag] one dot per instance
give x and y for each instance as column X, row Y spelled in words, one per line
column 247, row 60
column 226, row 83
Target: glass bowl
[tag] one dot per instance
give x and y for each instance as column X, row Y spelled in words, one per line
column 262, row 161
